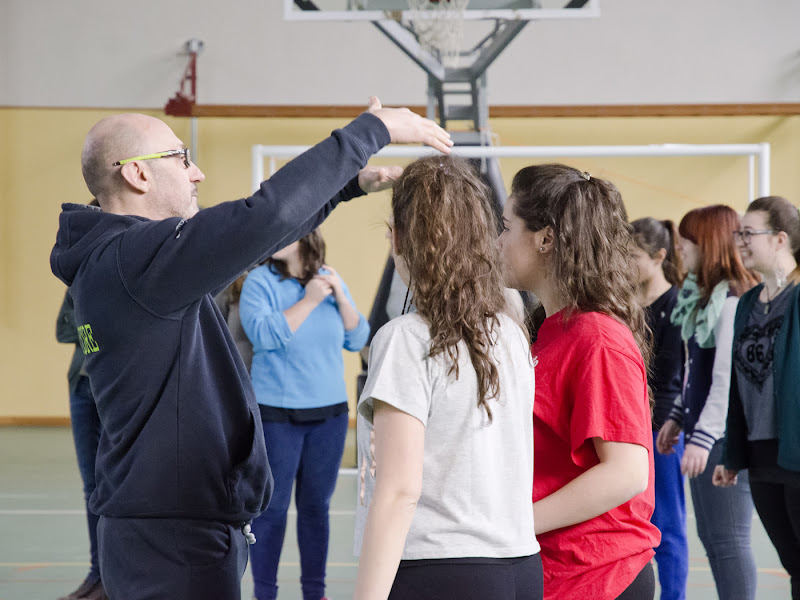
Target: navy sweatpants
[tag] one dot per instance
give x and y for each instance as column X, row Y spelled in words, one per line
column 171, row 559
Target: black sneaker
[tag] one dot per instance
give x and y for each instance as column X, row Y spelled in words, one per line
column 90, row 589
column 98, row 592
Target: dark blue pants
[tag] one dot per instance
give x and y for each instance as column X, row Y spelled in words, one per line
column 724, row 516
column 171, row 559
column 672, row 554
column 309, row 455
column 86, row 433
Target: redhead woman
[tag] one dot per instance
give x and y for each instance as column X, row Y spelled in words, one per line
column 705, row 313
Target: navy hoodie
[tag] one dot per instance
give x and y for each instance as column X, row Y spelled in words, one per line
column 181, row 432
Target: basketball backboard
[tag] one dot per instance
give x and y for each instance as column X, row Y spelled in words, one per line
column 398, row 10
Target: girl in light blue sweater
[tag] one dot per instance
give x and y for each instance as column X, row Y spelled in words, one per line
column 299, row 315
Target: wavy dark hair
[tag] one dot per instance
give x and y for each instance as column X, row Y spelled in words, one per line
column 711, row 228
column 445, row 230
column 312, row 256
column 651, row 235
column 784, row 216
column 592, row 269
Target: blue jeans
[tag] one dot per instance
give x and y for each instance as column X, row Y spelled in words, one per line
column 672, row 555
column 86, row 433
column 724, row 516
column 310, row 454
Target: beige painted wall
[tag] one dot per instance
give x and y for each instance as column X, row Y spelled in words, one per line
column 40, row 169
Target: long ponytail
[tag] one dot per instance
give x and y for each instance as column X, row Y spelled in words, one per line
column 651, row 235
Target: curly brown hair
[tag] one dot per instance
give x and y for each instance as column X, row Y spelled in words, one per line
column 445, row 230
column 592, row 269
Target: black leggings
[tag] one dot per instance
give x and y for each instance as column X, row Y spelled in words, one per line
column 469, row 579
column 778, row 506
column 643, row 587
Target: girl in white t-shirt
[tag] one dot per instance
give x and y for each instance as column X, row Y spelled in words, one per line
column 445, row 428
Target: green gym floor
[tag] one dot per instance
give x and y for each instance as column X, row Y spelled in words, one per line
column 44, row 547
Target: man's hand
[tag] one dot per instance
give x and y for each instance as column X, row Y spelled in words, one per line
column 694, row 460
column 406, row 127
column 668, row 436
column 375, row 179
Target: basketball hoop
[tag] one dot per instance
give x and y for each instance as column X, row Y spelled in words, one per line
column 439, row 27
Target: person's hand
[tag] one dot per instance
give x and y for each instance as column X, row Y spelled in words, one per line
column 318, row 289
column 723, row 477
column 406, row 127
column 335, row 282
column 375, row 179
column 668, row 436
column 694, row 460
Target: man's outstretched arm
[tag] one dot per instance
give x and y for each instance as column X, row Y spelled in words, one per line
column 182, row 261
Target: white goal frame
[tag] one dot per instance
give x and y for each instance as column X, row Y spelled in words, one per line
column 758, row 154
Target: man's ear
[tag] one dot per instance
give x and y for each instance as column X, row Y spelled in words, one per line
column 136, row 176
column 783, row 240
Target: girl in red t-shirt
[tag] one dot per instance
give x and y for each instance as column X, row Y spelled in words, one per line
column 565, row 238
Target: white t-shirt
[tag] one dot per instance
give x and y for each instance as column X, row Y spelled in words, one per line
column 477, row 477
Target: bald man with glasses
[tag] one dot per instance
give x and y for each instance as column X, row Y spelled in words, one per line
column 181, row 466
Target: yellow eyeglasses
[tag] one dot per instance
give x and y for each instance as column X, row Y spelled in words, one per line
column 184, row 152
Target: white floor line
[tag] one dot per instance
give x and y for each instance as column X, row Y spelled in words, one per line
column 39, row 512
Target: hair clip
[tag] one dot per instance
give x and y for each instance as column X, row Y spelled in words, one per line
column 586, row 176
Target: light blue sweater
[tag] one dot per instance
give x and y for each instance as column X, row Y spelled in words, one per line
column 304, row 369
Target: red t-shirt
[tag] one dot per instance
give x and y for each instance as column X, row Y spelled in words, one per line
column 590, row 382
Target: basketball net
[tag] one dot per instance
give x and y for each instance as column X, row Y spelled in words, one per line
column 439, row 27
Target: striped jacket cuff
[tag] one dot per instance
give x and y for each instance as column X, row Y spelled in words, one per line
column 702, row 439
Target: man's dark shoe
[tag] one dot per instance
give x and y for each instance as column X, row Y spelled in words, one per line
column 91, row 589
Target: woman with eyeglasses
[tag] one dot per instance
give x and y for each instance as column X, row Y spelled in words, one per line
column 705, row 312
column 445, row 440
column 763, row 427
